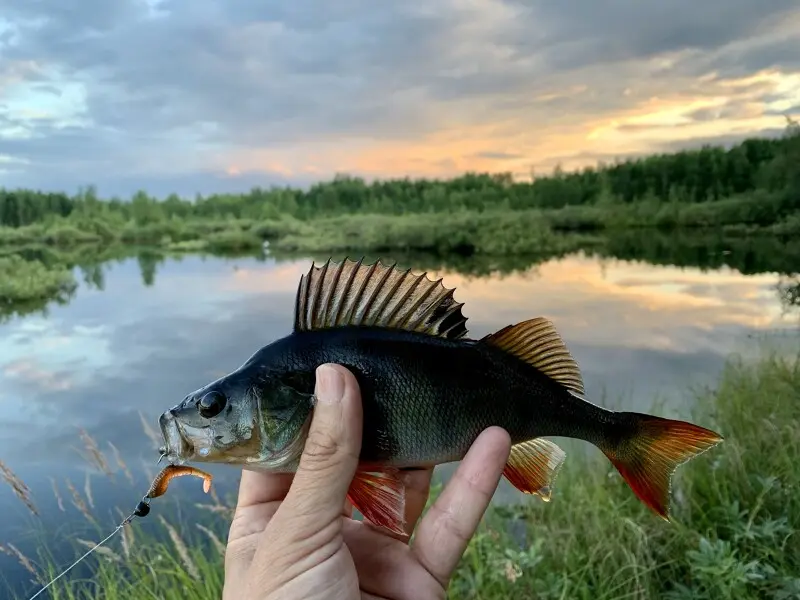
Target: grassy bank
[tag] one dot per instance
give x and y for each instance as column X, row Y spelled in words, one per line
column 492, row 231
column 735, row 531
column 496, row 233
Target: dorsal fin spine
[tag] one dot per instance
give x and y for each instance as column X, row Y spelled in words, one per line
column 343, row 300
column 357, row 300
column 387, row 297
column 373, row 294
column 306, row 296
column 425, row 315
column 329, row 296
column 422, row 297
column 447, row 296
column 402, row 300
column 348, row 314
column 318, row 288
column 299, row 310
column 456, row 308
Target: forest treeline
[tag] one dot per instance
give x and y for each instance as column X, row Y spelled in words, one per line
column 689, row 177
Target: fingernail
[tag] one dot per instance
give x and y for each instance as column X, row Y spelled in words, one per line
column 330, row 385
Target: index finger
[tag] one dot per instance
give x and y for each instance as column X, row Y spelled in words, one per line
column 445, row 531
column 257, row 487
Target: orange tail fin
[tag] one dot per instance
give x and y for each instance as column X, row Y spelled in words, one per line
column 654, row 447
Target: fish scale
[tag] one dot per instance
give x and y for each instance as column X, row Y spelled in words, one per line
column 427, row 392
column 431, row 397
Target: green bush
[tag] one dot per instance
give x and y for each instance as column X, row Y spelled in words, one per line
column 232, row 240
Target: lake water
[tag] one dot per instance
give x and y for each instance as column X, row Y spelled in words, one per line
column 641, row 333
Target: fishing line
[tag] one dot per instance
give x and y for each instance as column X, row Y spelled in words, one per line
column 141, row 510
column 157, row 488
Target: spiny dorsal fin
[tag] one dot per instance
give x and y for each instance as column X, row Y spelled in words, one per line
column 352, row 293
column 538, row 343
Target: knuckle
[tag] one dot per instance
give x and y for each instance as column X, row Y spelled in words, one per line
column 449, row 528
column 320, row 447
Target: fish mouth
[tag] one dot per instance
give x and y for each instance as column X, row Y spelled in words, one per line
column 175, row 449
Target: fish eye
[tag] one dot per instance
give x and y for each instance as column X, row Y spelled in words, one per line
column 212, row 404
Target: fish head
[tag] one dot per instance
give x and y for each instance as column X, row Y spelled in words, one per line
column 260, row 421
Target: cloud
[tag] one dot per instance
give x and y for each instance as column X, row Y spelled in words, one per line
column 204, row 94
column 497, row 155
column 32, row 373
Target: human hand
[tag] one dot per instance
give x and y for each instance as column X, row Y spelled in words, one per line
column 293, row 537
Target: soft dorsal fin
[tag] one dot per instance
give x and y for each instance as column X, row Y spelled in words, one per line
column 538, row 343
column 352, row 293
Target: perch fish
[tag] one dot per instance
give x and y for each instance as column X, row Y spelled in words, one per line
column 427, row 392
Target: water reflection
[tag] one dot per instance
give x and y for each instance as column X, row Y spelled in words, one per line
column 142, row 331
column 789, row 292
column 704, row 251
column 97, row 361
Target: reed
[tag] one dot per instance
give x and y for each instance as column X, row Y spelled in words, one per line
column 18, row 486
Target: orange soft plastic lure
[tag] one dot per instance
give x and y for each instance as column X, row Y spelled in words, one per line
column 168, row 473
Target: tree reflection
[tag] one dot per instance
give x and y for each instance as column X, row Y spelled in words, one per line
column 789, row 293
column 703, row 250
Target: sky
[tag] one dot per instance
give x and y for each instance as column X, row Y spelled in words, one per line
column 208, row 96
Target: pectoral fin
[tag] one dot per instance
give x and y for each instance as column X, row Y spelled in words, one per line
column 381, row 497
column 533, row 465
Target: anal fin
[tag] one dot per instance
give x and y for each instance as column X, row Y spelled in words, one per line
column 533, row 466
column 381, row 497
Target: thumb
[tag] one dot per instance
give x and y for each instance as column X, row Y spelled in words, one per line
column 330, row 456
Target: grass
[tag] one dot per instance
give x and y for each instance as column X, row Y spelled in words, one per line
column 736, row 513
column 735, row 530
